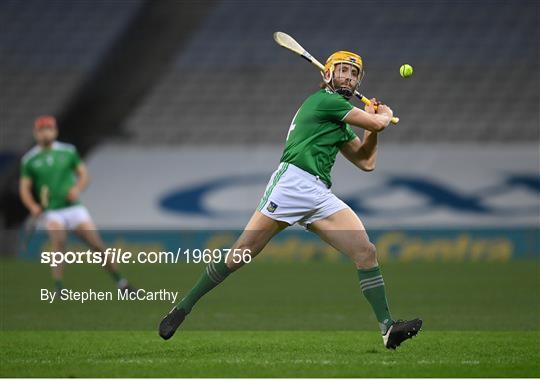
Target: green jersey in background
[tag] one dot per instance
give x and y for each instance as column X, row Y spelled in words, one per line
column 53, row 173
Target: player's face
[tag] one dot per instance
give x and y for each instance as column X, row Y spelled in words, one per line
column 45, row 135
column 345, row 75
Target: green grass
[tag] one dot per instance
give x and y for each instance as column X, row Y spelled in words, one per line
column 286, row 296
column 277, row 319
column 265, row 354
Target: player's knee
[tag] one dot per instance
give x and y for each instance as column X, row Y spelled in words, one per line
column 366, row 256
column 57, row 234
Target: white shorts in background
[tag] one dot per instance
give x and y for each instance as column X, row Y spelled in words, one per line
column 69, row 217
column 296, row 196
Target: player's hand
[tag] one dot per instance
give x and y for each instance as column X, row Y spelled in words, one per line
column 36, row 211
column 73, row 194
column 383, row 109
column 371, row 107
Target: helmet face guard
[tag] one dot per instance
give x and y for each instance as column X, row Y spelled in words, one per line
column 346, row 58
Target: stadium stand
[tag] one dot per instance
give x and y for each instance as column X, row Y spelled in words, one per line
column 215, row 76
column 476, row 77
column 47, row 50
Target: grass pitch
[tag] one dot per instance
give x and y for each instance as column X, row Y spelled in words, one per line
column 278, row 319
column 265, row 354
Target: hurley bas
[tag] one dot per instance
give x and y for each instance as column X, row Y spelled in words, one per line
column 121, row 295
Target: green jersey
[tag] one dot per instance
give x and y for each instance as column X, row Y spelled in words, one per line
column 53, row 173
column 316, row 133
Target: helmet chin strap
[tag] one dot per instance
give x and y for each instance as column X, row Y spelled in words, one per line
column 343, row 91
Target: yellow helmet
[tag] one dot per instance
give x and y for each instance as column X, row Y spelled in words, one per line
column 343, row 57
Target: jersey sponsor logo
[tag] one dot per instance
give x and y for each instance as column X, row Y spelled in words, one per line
column 272, row 207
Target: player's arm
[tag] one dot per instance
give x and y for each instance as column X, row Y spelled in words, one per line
column 362, row 154
column 375, row 121
column 25, row 193
column 82, row 182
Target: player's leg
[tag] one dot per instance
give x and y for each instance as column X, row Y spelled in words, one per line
column 345, row 231
column 57, row 235
column 258, row 232
column 80, row 221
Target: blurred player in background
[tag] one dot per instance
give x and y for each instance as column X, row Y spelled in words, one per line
column 52, row 179
column 299, row 192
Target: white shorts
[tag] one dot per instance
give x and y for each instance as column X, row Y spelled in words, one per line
column 69, row 217
column 296, row 196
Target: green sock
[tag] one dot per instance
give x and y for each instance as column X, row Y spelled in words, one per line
column 212, row 276
column 372, row 284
